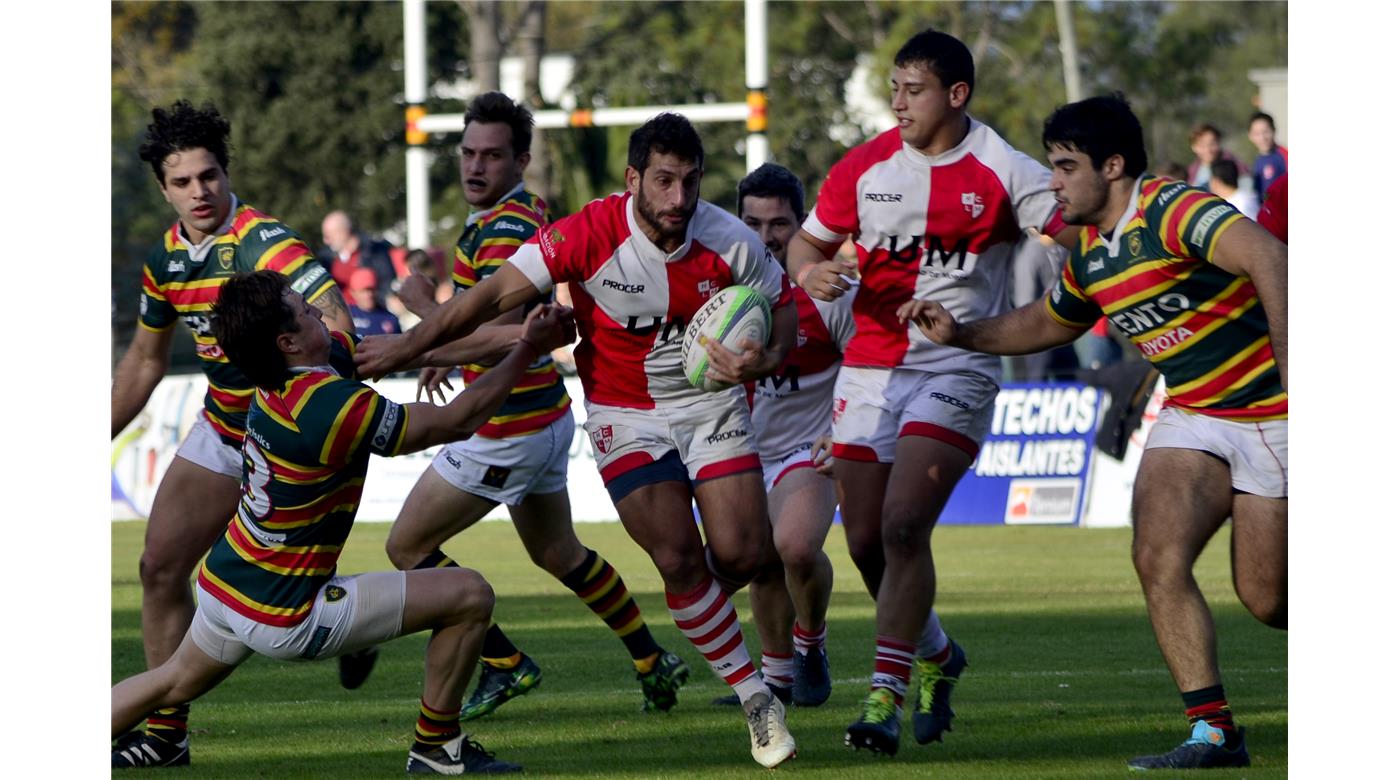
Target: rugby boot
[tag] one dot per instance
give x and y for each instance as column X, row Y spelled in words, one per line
column 497, row 686
column 458, row 757
column 355, row 667
column 138, row 749
column 811, row 685
column 877, row 729
column 659, row 686
column 933, row 714
column 1204, row 750
column 770, row 742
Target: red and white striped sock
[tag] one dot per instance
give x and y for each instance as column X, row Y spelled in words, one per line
column 933, row 643
column 894, row 659
column 777, row 670
column 804, row 642
column 707, row 618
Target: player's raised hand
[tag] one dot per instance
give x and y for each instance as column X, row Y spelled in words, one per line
column 418, row 294
column 376, row 356
column 433, row 379
column 930, row 318
column 827, row 280
column 549, row 327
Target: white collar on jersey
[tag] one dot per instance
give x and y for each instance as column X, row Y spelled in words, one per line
column 952, row 155
column 646, row 244
column 1112, row 243
column 200, row 251
column 476, row 216
column 326, row 369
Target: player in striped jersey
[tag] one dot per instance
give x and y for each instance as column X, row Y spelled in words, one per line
column 1203, row 293
column 214, row 236
column 269, row 584
column 521, row 457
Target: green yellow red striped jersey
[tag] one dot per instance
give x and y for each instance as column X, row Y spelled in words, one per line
column 1200, row 325
column 488, row 238
column 304, row 460
column 182, row 282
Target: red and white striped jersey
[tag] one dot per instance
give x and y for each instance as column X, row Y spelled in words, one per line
column 936, row 228
column 793, row 408
column 632, row 301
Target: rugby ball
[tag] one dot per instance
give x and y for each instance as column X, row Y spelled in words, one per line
column 728, row 317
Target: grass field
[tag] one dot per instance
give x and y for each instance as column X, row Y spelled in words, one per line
column 1065, row 679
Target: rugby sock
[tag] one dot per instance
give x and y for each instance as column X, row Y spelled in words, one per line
column 777, row 670
column 171, row 724
column 497, row 651
column 894, row 660
column 1209, row 705
column 435, row 727
column 933, row 642
column 707, row 618
column 805, row 642
column 598, row 585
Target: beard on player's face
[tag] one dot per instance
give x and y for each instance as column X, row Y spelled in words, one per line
column 660, row 219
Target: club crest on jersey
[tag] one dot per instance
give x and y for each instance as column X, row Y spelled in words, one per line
column 972, row 204
column 226, row 258
column 602, row 438
column 801, row 337
column 1134, row 245
column 707, row 288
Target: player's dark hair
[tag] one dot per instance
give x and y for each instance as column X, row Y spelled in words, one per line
column 1226, row 172
column 1099, row 127
column 491, row 107
column 771, row 180
column 1202, row 129
column 184, row 127
column 942, row 55
column 1257, row 116
column 667, row 133
column 247, row 319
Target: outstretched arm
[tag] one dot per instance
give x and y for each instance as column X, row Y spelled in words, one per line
column 138, row 373
column 504, row 290
column 1246, row 249
column 546, row 328
column 1022, row 331
column 812, row 265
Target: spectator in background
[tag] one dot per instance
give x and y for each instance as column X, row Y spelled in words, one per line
column 1225, row 183
column 346, row 249
column 1273, row 216
column 1170, row 169
column 369, row 317
column 1272, row 161
column 1205, row 143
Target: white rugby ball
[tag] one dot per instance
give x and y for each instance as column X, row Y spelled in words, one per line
column 728, row 317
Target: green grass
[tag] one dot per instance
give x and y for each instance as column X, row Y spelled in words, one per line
column 1065, row 679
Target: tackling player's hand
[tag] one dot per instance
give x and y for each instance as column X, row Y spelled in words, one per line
column 377, row 356
column 931, row 318
column 752, row 361
column 821, row 456
column 418, row 294
column 433, row 380
column 549, row 327
column 827, row 280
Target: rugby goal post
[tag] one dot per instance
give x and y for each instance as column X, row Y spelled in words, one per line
column 418, row 124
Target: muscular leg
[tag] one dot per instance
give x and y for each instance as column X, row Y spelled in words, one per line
column 1180, row 498
column 862, row 487
column 924, row 474
column 734, row 513
column 193, row 505
column 456, row 604
column 802, row 506
column 546, row 528
column 1259, row 554
column 185, row 675
column 434, row 512
column 658, row 519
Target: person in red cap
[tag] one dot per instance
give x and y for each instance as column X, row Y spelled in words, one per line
column 369, row 317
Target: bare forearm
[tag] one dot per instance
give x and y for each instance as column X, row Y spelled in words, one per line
column 802, row 252
column 333, row 311
column 476, row 405
column 133, row 382
column 485, row 344
column 1272, row 289
column 1023, row 331
column 783, row 335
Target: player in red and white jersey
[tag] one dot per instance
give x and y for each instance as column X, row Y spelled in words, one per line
column 639, row 265
column 934, row 207
column 792, row 417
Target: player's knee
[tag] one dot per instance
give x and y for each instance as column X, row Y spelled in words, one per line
column 476, row 597
column 904, row 534
column 402, row 553
column 163, row 572
column 799, row 554
column 1268, row 605
column 557, row 558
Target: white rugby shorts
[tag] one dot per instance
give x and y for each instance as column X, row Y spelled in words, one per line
column 1257, row 452
column 204, row 447
column 350, row 613
column 507, row 470
column 712, row 434
column 775, row 470
column 874, row 407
